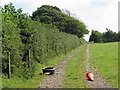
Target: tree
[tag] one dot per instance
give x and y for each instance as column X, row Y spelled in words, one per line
column 11, row 43
column 96, row 36
column 110, row 36
column 15, row 28
column 52, row 15
column 26, row 42
column 118, row 36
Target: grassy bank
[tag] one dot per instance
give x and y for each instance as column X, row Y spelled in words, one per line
column 105, row 58
column 38, row 77
column 75, row 70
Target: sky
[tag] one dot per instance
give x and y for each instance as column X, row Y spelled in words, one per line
column 95, row 14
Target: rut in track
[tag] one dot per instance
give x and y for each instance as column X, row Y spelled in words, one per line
column 56, row 80
column 98, row 82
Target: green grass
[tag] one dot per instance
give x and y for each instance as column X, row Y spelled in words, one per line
column 75, row 70
column 17, row 82
column 105, row 57
column 33, row 82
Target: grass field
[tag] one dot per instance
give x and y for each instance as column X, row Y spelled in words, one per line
column 75, row 70
column 33, row 82
column 104, row 57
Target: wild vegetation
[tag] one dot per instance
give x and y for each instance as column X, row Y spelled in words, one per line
column 16, row 82
column 26, row 42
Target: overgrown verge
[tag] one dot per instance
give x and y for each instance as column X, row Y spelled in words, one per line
column 75, row 70
column 104, row 57
column 17, row 82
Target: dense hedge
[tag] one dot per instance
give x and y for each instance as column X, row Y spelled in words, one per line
column 28, row 42
column 49, row 42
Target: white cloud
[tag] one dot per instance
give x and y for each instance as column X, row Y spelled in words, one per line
column 100, row 18
column 3, row 2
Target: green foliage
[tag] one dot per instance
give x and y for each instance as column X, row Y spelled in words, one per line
column 118, row 36
column 108, row 36
column 11, row 42
column 33, row 82
column 50, row 15
column 82, row 40
column 49, row 42
column 96, row 37
column 30, row 42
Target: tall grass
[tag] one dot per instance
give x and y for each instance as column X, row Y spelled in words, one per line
column 105, row 58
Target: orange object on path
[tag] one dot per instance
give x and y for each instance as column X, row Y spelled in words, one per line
column 89, row 76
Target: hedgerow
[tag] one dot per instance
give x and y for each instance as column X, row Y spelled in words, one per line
column 26, row 42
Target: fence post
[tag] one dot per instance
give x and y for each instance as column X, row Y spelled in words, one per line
column 9, row 66
column 29, row 58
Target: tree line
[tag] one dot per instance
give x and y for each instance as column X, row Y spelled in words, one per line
column 27, row 40
column 108, row 36
column 53, row 15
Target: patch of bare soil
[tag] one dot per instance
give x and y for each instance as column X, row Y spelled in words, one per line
column 56, row 80
column 99, row 81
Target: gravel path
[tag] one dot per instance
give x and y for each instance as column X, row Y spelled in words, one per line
column 98, row 82
column 56, row 80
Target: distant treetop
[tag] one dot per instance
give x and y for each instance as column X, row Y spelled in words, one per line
column 53, row 15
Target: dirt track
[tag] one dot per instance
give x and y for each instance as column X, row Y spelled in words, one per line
column 98, row 82
column 56, row 80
